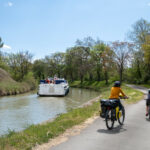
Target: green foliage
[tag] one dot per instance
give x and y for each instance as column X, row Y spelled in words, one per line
column 140, row 64
column 95, row 85
column 39, row 69
column 29, row 78
column 10, row 87
column 1, row 44
column 146, row 49
column 20, row 64
column 88, row 60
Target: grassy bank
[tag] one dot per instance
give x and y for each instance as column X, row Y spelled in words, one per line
column 38, row 134
column 95, row 85
column 13, row 88
column 10, row 87
column 145, row 85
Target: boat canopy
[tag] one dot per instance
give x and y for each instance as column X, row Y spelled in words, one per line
column 60, row 81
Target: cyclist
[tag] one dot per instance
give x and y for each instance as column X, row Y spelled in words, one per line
column 115, row 93
column 147, row 102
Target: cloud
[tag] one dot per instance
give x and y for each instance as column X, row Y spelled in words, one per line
column 148, row 4
column 9, row 4
column 6, row 47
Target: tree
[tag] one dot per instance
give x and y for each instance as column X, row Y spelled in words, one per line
column 1, row 45
column 20, row 64
column 122, row 52
column 146, row 49
column 39, row 69
column 103, row 58
column 97, row 58
column 69, row 63
column 55, row 64
column 80, row 61
column 3, row 63
column 137, row 65
column 107, row 61
column 139, row 31
column 139, row 35
column 86, row 42
column 58, row 63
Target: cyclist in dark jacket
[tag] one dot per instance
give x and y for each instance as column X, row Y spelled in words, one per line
column 147, row 102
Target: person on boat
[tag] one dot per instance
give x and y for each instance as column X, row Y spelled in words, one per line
column 53, row 81
column 147, row 102
column 116, row 92
column 47, row 81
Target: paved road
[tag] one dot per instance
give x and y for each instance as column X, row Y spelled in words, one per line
column 135, row 134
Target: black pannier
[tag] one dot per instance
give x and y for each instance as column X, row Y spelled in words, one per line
column 107, row 103
column 103, row 107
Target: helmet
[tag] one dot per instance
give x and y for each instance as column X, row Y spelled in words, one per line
column 117, row 84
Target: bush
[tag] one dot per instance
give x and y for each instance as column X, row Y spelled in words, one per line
column 29, row 78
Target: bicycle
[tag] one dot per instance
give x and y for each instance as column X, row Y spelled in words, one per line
column 111, row 112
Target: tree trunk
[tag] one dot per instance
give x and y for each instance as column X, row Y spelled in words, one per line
column 106, row 77
column 90, row 76
column 71, row 76
column 81, row 79
column 138, row 70
column 98, row 75
column 120, row 75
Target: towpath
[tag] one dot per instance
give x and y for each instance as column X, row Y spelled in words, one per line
column 135, row 134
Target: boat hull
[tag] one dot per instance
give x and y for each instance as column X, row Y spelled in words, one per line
column 53, row 90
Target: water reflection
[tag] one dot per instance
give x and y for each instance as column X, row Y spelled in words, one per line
column 18, row 112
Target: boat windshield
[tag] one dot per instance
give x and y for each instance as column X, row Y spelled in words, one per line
column 60, row 81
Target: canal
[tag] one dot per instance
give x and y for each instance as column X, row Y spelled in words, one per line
column 19, row 112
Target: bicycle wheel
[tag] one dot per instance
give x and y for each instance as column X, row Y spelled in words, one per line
column 121, row 116
column 149, row 112
column 109, row 119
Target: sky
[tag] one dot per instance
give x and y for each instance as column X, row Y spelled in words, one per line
column 44, row 27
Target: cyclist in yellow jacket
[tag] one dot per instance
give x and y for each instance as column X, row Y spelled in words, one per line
column 116, row 91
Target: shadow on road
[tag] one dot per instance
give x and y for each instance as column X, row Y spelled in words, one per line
column 115, row 130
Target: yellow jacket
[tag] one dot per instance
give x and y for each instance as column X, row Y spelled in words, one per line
column 115, row 92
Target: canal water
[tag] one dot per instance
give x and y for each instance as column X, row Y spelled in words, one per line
column 19, row 112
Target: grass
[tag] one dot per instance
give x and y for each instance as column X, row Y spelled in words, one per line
column 145, row 85
column 11, row 88
column 8, row 86
column 95, row 85
column 38, row 134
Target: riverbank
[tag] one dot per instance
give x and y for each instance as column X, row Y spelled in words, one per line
column 8, row 86
column 42, row 133
column 94, row 85
column 144, row 85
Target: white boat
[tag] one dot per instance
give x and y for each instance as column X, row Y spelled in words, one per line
column 57, row 87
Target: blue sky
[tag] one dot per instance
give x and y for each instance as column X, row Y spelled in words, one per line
column 44, row 27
